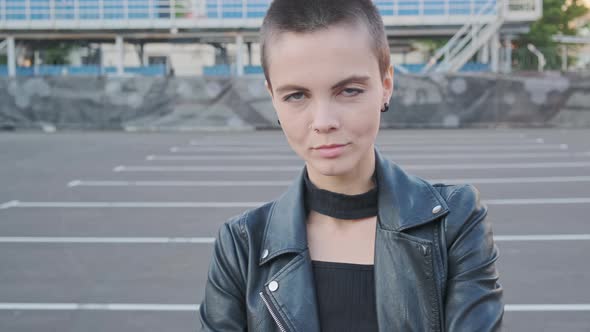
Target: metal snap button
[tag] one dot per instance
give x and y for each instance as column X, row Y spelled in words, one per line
column 264, row 253
column 273, row 286
column 436, row 209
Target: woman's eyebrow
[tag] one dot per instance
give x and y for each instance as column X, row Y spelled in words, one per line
column 290, row 87
column 350, row 79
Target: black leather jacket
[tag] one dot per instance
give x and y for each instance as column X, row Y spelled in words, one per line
column 434, row 262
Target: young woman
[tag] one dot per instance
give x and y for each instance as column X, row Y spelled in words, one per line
column 355, row 243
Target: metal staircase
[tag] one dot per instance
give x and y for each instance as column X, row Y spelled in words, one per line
column 468, row 40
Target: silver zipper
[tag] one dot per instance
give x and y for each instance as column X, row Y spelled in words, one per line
column 274, row 316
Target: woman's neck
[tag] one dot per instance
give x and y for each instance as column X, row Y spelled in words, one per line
column 356, row 182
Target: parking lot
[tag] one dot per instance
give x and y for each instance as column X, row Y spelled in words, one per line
column 113, row 231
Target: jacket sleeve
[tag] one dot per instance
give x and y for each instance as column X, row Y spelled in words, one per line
column 473, row 295
column 223, row 307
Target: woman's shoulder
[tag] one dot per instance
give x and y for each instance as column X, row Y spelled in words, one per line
column 466, row 210
column 464, row 194
column 460, row 198
column 251, row 222
column 456, row 194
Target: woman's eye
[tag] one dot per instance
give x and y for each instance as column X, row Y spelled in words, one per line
column 351, row 92
column 295, row 97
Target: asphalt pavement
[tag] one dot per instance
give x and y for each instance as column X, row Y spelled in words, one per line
column 113, row 231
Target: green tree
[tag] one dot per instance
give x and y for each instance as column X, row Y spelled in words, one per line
column 57, row 54
column 3, row 59
column 557, row 15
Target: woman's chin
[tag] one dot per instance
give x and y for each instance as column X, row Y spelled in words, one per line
column 330, row 167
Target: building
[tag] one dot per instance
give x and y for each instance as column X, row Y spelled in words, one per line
column 219, row 37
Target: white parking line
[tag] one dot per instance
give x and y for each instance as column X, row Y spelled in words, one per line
column 441, row 135
column 547, row 307
column 512, row 180
column 218, row 168
column 112, row 183
column 210, row 240
column 430, row 147
column 294, row 157
column 247, row 168
column 8, row 205
column 99, row 306
column 536, row 201
column 392, row 142
column 19, row 204
column 103, row 240
column 224, row 157
column 548, row 237
column 93, row 183
column 195, row 307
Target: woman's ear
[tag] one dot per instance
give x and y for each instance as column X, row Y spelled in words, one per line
column 388, row 84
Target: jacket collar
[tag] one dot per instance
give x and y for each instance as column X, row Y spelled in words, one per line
column 404, row 201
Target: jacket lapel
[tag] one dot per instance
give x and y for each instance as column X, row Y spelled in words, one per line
column 295, row 299
column 405, row 285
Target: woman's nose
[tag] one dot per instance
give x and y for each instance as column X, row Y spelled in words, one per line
column 325, row 118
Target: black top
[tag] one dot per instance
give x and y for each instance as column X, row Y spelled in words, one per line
column 345, row 292
column 345, row 296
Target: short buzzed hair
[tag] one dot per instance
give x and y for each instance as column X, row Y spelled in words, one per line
column 306, row 16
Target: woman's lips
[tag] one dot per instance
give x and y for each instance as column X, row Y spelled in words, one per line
column 331, row 151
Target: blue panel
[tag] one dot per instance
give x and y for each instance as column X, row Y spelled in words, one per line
column 138, row 9
column 211, row 8
column 40, row 9
column 232, row 8
column 90, row 70
column 15, row 10
column 64, row 9
column 217, row 70
column 475, row 67
column 385, row 7
column 481, row 4
column 434, row 7
column 413, row 67
column 459, row 7
column 153, row 70
column 84, row 70
column 25, row 71
column 229, row 9
column 416, row 68
column 256, row 14
column 52, row 70
column 407, row 8
column 113, row 9
column 249, row 70
column 89, row 9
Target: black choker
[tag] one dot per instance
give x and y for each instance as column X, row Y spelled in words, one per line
column 340, row 206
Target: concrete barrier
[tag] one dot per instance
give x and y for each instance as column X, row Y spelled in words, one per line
column 200, row 103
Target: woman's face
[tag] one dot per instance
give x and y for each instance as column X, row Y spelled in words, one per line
column 327, row 91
